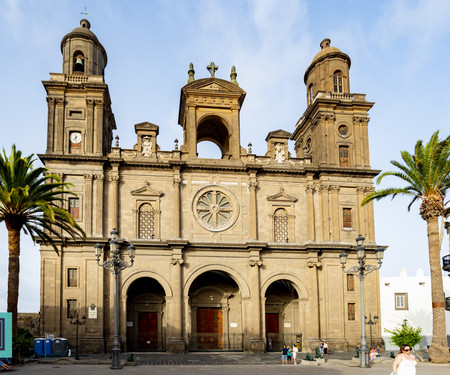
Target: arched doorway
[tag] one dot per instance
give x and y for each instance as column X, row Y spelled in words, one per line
column 146, row 304
column 215, row 313
column 282, row 323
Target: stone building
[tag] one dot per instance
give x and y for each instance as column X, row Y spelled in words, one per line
column 237, row 253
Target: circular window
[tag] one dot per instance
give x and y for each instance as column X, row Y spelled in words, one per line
column 343, row 131
column 215, row 208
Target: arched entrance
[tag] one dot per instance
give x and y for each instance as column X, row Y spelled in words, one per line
column 282, row 315
column 215, row 313
column 146, row 304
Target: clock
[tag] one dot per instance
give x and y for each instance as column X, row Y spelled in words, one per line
column 75, row 137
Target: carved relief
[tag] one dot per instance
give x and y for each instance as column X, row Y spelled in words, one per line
column 147, row 146
column 280, row 156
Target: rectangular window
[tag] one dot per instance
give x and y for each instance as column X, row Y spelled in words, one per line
column 347, row 218
column 401, row 301
column 72, row 308
column 351, row 311
column 72, row 277
column 74, row 208
column 350, row 283
column 344, row 160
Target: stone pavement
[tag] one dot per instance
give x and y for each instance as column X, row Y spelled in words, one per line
column 213, row 363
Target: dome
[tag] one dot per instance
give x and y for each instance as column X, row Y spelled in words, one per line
column 325, row 52
column 83, row 31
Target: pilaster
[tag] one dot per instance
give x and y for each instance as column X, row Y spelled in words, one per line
column 98, row 209
column 177, row 344
column 51, row 124
column 90, row 125
column 88, row 204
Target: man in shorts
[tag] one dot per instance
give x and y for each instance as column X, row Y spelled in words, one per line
column 284, row 353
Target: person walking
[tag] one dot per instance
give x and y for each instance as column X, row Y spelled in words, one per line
column 325, row 348
column 289, row 355
column 404, row 363
column 321, row 348
column 284, row 354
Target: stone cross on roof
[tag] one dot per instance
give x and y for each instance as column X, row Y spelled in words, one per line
column 212, row 68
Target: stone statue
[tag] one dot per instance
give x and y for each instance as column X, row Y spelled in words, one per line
column 309, row 357
column 279, row 153
column 147, row 146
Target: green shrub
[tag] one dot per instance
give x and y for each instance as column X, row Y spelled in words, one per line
column 405, row 335
column 23, row 344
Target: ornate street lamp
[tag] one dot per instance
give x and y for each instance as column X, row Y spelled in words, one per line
column 115, row 264
column 361, row 271
column 77, row 322
column 371, row 322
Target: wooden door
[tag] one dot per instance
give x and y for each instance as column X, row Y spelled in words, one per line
column 209, row 328
column 148, row 331
column 273, row 331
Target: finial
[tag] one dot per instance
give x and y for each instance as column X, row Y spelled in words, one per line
column 117, row 141
column 249, row 147
column 191, row 73
column 212, row 68
column 176, row 143
column 325, row 43
column 233, row 75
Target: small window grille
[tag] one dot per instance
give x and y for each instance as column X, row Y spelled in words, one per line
column 350, row 283
column 343, row 156
column 281, row 228
column 146, row 221
column 72, row 308
column 401, row 301
column 351, row 311
column 72, row 277
column 74, row 208
column 347, row 217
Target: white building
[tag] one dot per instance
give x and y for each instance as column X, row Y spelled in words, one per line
column 409, row 297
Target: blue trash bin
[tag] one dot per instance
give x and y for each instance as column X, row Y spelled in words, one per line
column 39, row 346
column 48, row 347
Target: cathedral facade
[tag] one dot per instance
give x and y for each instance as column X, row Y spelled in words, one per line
column 236, row 253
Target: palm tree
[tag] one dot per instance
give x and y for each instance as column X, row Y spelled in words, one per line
column 427, row 175
column 30, row 199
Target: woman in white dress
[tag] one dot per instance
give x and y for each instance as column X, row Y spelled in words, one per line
column 404, row 363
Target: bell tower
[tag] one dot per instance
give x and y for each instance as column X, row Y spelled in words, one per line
column 209, row 111
column 80, row 120
column 333, row 131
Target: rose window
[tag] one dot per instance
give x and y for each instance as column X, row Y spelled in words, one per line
column 214, row 209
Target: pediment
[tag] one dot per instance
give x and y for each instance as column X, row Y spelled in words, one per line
column 282, row 196
column 214, row 84
column 280, row 133
column 146, row 191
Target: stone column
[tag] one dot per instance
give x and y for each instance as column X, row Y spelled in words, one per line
column 235, row 143
column 365, row 141
column 98, row 205
column 360, row 213
column 50, row 124
column 310, row 212
column 59, row 125
column 191, row 133
column 324, row 210
column 254, row 341
column 331, row 138
column 370, row 216
column 252, row 186
column 177, row 343
column 88, row 207
column 98, row 127
column 335, row 213
column 358, row 142
column 115, row 181
column 176, row 204
column 90, row 125
column 313, row 328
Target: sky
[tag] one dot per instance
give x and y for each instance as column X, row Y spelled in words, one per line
column 399, row 53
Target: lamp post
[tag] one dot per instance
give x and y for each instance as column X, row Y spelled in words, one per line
column 115, row 264
column 371, row 322
column 361, row 271
column 77, row 322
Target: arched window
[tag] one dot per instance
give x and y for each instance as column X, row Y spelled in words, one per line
column 78, row 63
column 281, row 227
column 338, row 82
column 146, row 221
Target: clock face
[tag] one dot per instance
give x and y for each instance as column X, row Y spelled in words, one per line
column 75, row 137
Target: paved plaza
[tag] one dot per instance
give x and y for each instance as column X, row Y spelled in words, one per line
column 214, row 363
